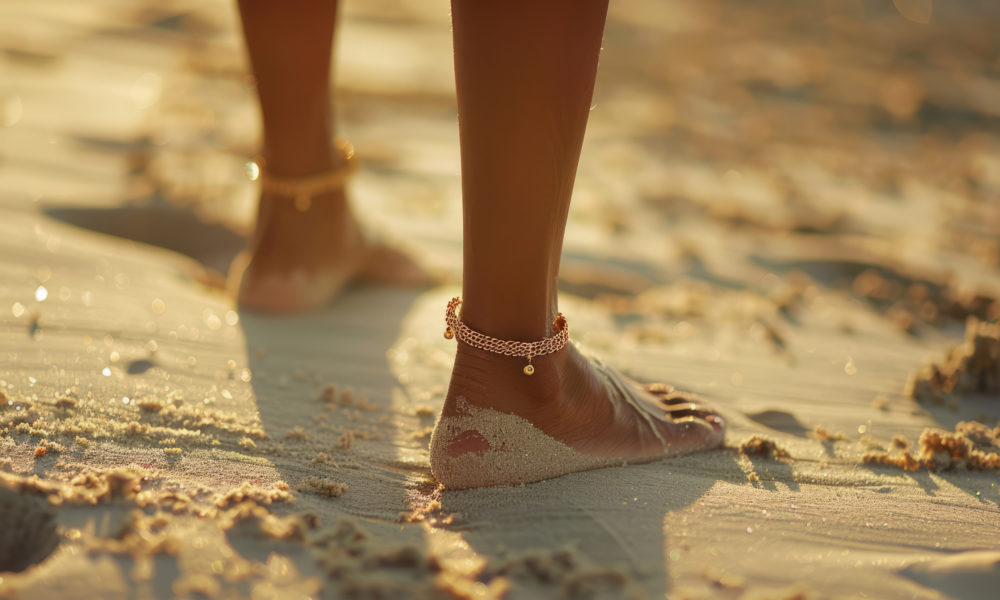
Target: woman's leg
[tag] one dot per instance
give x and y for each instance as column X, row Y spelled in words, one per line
column 525, row 75
column 297, row 259
column 289, row 49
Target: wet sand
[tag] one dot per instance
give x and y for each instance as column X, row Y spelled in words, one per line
column 791, row 212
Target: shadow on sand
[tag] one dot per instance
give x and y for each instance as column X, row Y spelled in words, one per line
column 615, row 517
column 213, row 245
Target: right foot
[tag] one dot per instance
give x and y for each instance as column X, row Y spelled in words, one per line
column 501, row 427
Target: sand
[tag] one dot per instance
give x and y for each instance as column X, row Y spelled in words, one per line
column 518, row 452
column 972, row 367
column 789, row 212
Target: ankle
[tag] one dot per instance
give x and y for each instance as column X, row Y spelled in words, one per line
column 298, row 163
column 497, row 316
column 492, row 380
column 300, row 155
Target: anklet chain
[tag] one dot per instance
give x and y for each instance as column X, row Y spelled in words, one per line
column 457, row 329
column 302, row 189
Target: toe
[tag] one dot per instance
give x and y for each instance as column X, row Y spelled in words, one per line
column 660, row 388
column 678, row 402
column 669, row 395
column 681, row 415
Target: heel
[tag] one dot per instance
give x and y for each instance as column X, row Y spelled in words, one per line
column 518, row 452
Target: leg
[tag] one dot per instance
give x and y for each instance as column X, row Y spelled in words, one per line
column 299, row 260
column 289, row 50
column 525, row 76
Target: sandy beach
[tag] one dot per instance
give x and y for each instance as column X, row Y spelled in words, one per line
column 790, row 209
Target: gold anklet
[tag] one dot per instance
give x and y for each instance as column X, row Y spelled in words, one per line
column 456, row 328
column 302, row 189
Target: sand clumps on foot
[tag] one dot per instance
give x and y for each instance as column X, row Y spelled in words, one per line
column 973, row 446
column 969, row 368
column 518, row 452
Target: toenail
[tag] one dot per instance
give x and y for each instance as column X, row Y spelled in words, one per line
column 716, row 421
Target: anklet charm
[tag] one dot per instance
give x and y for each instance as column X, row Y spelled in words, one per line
column 529, row 369
column 302, row 189
column 455, row 328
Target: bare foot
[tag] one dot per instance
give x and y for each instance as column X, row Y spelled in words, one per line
column 300, row 260
column 501, row 427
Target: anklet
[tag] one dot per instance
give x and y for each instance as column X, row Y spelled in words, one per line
column 456, row 328
column 302, row 189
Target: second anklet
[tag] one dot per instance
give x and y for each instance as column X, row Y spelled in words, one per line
column 302, row 189
column 455, row 328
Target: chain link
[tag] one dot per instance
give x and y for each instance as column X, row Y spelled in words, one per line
column 303, row 189
column 482, row 341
